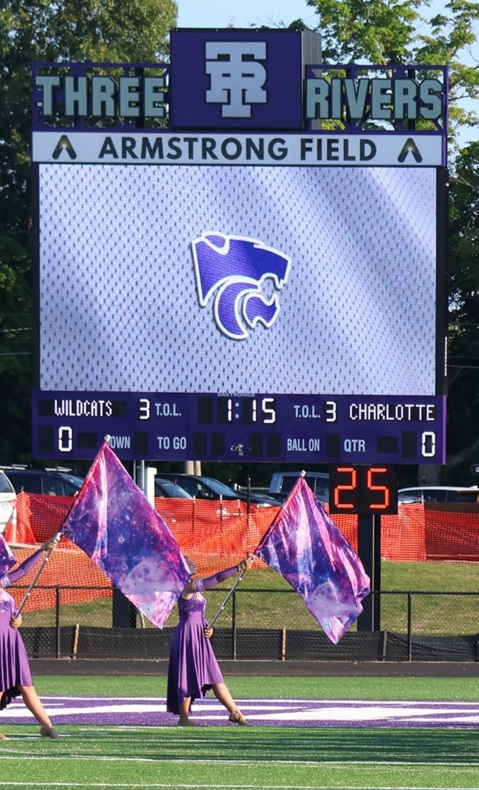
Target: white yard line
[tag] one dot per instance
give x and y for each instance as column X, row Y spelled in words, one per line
column 217, row 786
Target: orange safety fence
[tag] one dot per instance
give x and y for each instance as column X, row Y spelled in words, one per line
column 218, row 534
column 452, row 535
column 68, row 568
column 403, row 537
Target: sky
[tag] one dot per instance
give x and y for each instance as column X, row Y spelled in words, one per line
column 272, row 13
column 248, row 13
column 243, row 13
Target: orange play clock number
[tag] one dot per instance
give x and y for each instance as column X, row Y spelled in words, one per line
column 362, row 489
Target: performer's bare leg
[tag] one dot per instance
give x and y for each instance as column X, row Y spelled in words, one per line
column 1, row 734
column 222, row 694
column 34, row 705
column 184, row 712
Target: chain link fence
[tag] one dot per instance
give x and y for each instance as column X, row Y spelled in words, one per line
column 259, row 624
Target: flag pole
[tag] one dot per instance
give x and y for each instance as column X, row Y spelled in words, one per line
column 227, row 598
column 56, row 539
column 34, row 581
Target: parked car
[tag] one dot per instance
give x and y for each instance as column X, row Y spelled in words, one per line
column 167, row 489
column 425, row 494
column 56, row 482
column 209, row 488
column 282, row 482
column 8, row 501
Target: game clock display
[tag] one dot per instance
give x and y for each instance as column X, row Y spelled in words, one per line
column 246, row 427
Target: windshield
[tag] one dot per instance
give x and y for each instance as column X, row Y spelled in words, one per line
column 76, row 481
column 169, row 489
column 218, row 487
column 5, row 485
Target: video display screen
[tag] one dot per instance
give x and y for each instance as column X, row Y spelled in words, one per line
column 238, row 279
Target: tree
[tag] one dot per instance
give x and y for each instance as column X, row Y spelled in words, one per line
column 463, row 292
column 382, row 32
column 42, row 30
column 385, row 32
column 463, row 319
column 379, row 32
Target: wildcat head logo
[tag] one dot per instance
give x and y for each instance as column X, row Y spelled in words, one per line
column 233, row 271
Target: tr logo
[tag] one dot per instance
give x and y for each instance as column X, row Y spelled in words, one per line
column 233, row 269
column 236, row 76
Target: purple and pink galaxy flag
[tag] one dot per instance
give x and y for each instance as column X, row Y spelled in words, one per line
column 307, row 549
column 7, row 558
column 115, row 525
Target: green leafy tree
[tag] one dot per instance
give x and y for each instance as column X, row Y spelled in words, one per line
column 463, row 338
column 463, row 341
column 43, row 30
column 363, row 31
column 366, row 31
column 384, row 32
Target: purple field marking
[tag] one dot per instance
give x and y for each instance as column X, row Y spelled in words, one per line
column 150, row 711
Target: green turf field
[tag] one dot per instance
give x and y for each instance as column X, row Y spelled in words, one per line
column 400, row 688
column 266, row 758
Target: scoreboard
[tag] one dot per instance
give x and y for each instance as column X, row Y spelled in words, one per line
column 248, row 292
column 291, row 428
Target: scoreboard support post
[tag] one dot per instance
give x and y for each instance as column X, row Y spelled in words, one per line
column 123, row 611
column 369, row 550
column 367, row 491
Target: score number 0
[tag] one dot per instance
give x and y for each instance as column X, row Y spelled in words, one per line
column 363, row 490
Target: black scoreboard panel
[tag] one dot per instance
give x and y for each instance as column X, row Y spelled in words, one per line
column 262, row 428
column 363, row 489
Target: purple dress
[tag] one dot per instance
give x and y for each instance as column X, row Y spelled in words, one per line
column 193, row 667
column 14, row 666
